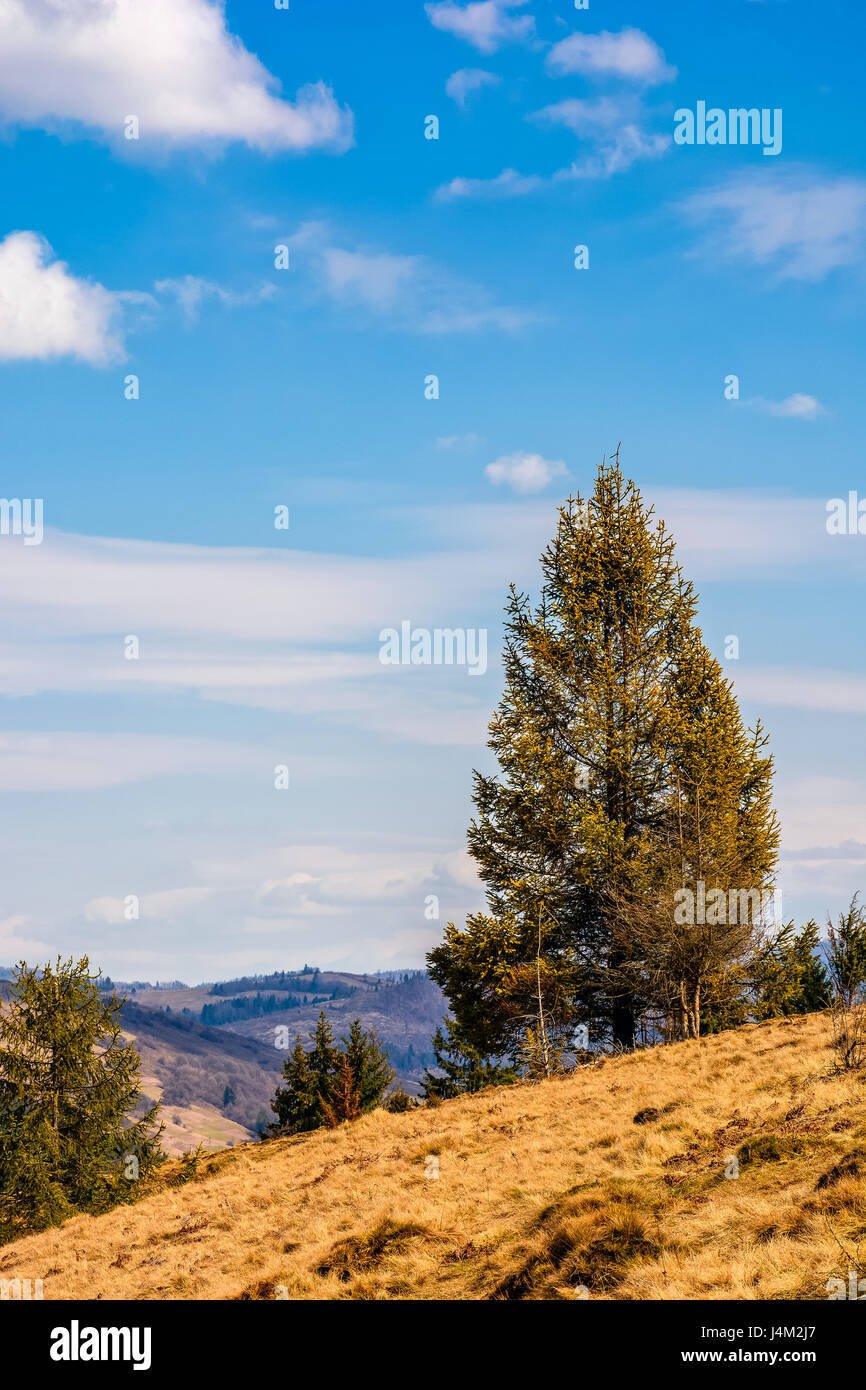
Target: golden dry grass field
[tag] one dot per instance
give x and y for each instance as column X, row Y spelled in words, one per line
column 613, row 1179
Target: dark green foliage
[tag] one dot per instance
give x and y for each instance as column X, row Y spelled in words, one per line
column 462, row 1068
column 788, row 976
column 369, row 1066
column 295, row 1104
column 280, row 980
column 188, row 1167
column 846, row 953
column 399, row 1102
column 71, row 1139
column 229, row 1097
column 326, row 1085
column 242, row 1007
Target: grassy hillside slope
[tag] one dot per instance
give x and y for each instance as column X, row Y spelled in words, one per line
column 613, row 1179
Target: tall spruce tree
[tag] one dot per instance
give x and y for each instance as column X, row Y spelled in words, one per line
column 74, row 1133
column 371, row 1071
column 295, row 1103
column 698, row 910
column 602, row 781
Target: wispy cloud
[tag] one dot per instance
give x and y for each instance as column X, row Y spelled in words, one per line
column 795, row 407
column 508, row 184
column 61, row 761
column 465, row 81
column 613, row 130
column 192, row 291
column 409, row 292
column 168, row 904
column 463, row 443
column 630, row 56
column 487, row 24
column 834, row 692
column 173, row 64
column 823, row 837
column 14, row 947
column 800, row 224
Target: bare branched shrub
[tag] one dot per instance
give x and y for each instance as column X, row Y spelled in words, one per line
column 848, row 1021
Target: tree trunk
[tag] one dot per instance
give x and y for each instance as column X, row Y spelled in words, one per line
column 623, row 1021
column 690, row 1009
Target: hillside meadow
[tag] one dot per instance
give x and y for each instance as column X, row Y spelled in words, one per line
column 616, row 1182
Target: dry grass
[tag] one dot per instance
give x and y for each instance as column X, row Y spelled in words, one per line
column 613, row 1179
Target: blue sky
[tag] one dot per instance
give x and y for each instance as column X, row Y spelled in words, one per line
column 261, row 387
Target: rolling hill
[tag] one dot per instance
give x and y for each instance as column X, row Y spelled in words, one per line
column 188, row 1064
column 726, row 1168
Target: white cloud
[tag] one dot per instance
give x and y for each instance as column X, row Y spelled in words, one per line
column 587, row 116
column 835, row 692
column 376, row 280
column 801, row 225
column 46, row 312
column 409, row 292
column 613, row 128
column 486, row 24
column 227, row 625
column 61, row 761
column 729, row 532
column 168, row 904
column 171, row 63
column 331, row 880
column 463, row 443
column 14, row 947
column 720, row 532
column 820, row 814
column 525, row 473
column 795, row 407
column 465, row 81
column 191, row 292
column 616, row 153
column 823, row 839
column 508, row 184
column 630, row 55
column 103, row 587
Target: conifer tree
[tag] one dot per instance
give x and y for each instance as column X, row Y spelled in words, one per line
column 326, row 1084
column 324, row 1060
column 461, row 1068
column 297, row 1104
column 369, row 1066
column 717, row 836
column 846, row 953
column 75, row 1136
column 607, row 794
column 788, row 975
column 345, row 1101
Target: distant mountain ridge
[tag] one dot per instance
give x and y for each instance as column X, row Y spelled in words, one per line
column 201, row 1044
column 212, row 1053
